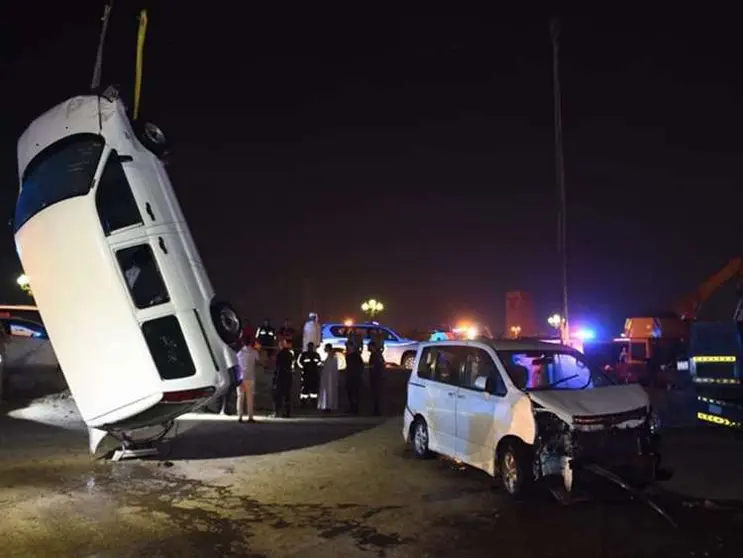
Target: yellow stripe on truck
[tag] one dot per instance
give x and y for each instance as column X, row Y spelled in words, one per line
column 714, row 359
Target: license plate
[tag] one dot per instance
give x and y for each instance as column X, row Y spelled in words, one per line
column 714, row 409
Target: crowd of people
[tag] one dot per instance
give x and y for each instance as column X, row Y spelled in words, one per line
column 319, row 378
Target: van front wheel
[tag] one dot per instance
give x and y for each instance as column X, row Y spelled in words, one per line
column 514, row 463
column 419, row 438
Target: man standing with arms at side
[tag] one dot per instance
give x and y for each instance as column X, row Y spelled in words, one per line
column 282, row 381
column 309, row 363
column 354, row 377
column 247, row 359
column 311, row 332
column 376, row 369
column 266, row 337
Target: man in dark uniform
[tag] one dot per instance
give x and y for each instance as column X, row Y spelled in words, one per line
column 309, row 363
column 287, row 332
column 354, row 377
column 266, row 337
column 282, row 381
column 376, row 368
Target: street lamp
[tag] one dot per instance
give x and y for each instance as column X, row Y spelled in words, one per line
column 24, row 283
column 555, row 320
column 515, row 331
column 372, row 307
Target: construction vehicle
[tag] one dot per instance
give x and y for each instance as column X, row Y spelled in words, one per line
column 715, row 354
column 651, row 345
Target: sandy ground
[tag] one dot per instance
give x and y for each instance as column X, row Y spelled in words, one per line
column 336, row 486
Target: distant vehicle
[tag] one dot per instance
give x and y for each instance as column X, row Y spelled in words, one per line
column 123, row 293
column 27, row 342
column 526, row 410
column 398, row 351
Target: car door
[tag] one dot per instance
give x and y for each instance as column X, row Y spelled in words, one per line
column 482, row 414
column 442, row 398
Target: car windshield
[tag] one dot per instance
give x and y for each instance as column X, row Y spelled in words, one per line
column 61, row 171
column 553, row 369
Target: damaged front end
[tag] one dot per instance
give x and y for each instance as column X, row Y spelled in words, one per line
column 626, row 443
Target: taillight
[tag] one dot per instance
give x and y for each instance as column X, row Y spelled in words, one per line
column 187, row 395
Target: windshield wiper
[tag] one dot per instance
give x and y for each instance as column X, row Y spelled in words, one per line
column 561, row 380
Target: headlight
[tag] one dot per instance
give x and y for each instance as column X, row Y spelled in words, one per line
column 653, row 421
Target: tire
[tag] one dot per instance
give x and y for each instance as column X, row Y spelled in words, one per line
column 408, row 359
column 226, row 321
column 419, row 438
column 515, row 468
column 152, row 138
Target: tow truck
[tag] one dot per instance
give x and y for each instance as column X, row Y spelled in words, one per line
column 714, row 358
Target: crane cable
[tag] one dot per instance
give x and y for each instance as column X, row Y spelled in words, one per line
column 96, row 81
column 138, row 68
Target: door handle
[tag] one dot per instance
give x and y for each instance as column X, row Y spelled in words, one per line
column 148, row 208
column 450, row 394
column 161, row 242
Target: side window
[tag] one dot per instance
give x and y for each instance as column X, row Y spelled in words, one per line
column 142, row 275
column 117, row 208
column 480, row 363
column 426, row 364
column 449, row 364
column 338, row 331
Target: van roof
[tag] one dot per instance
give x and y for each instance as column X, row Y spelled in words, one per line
column 504, row 344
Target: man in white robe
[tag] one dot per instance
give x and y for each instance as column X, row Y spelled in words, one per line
column 328, row 397
column 311, row 332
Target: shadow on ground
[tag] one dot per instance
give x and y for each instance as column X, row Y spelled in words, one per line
column 213, row 440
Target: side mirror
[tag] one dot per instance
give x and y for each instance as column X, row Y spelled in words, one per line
column 482, row 383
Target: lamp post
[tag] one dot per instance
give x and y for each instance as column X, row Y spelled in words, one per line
column 559, row 323
column 372, row 307
column 25, row 284
column 515, row 331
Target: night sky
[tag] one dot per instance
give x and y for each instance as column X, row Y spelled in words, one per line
column 323, row 158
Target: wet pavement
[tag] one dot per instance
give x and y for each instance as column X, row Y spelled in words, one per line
column 337, row 486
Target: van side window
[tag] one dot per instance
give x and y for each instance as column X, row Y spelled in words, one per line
column 449, row 364
column 480, row 363
column 142, row 276
column 117, row 208
column 425, row 365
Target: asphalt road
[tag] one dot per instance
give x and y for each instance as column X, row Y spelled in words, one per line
column 337, row 486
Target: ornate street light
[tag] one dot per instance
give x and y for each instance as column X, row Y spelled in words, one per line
column 515, row 331
column 372, row 307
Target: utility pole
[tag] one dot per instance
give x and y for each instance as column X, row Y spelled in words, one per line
column 560, row 175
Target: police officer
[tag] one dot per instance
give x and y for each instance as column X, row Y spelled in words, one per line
column 354, row 377
column 282, row 380
column 266, row 337
column 309, row 363
column 376, row 369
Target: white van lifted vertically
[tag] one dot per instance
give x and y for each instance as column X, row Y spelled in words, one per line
column 528, row 411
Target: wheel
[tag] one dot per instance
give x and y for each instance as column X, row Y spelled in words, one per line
column 514, row 464
column 152, row 138
column 408, row 359
column 226, row 321
column 419, row 438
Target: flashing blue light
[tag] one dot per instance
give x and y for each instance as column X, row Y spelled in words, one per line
column 585, row 334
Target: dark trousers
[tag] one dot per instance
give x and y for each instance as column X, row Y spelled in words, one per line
column 282, row 395
column 353, row 391
column 375, row 383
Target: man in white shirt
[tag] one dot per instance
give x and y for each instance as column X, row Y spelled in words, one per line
column 247, row 359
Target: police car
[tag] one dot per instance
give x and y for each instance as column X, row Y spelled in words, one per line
column 398, row 351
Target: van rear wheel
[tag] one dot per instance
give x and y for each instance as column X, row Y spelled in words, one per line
column 226, row 321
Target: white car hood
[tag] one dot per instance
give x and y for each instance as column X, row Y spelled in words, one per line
column 608, row 400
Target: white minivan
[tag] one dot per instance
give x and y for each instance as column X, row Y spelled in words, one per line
column 526, row 410
column 124, row 296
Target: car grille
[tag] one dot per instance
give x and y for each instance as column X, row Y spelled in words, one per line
column 611, row 419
